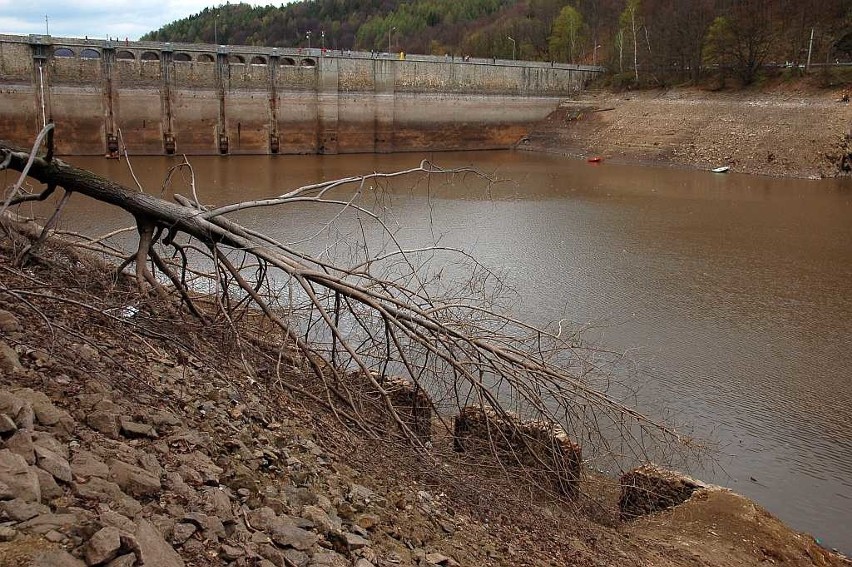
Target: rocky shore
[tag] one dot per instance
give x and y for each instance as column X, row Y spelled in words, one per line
column 141, row 437
column 785, row 133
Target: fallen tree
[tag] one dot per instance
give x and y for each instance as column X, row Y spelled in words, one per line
column 364, row 322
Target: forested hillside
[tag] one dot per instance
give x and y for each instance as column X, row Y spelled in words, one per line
column 642, row 38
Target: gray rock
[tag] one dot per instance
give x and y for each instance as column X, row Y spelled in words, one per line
column 242, row 477
column 15, row 407
column 31, row 396
column 346, row 542
column 49, row 488
column 107, row 405
column 7, row 533
column 105, row 422
column 153, row 549
column 54, row 536
column 21, row 510
column 217, row 502
column 102, row 547
column 193, row 547
column 86, row 464
column 323, row 522
column 182, row 532
column 279, row 505
column 7, row 425
column 54, row 464
column 202, row 464
column 298, row 497
column 6, row 493
column 9, row 361
column 127, row 560
column 101, row 490
column 135, row 430
column 43, row 523
column 261, row 518
column 9, row 323
column 149, row 462
column 328, row 559
column 364, row 563
column 259, row 538
column 86, row 351
column 112, row 518
column 56, row 558
column 16, row 474
column 288, row 535
column 174, row 482
column 296, row 557
column 212, row 525
column 134, row 480
column 190, row 476
column 49, row 442
column 22, row 444
column 440, row 559
column 165, row 418
column 230, row 553
column 275, row 556
column 88, row 401
column 355, row 541
column 48, row 414
column 163, row 523
column 361, row 497
column 190, row 438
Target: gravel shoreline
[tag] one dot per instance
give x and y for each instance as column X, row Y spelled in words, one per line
column 787, row 134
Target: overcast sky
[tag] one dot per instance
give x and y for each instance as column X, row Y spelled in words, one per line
column 99, row 18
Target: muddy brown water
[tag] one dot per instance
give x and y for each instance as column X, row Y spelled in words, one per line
column 731, row 291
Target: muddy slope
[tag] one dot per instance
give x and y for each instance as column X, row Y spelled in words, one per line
column 798, row 134
column 141, row 437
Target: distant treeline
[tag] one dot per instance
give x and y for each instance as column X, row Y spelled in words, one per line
column 640, row 39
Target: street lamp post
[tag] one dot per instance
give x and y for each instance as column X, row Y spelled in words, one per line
column 322, row 39
column 308, row 35
column 595, row 55
column 513, row 46
column 390, row 31
column 216, row 29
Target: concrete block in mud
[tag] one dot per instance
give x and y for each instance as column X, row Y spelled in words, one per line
column 411, row 403
column 532, row 443
column 649, row 488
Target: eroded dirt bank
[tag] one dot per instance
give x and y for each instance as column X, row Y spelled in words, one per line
column 793, row 134
column 142, row 437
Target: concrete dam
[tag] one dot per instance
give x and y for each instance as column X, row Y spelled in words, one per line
column 164, row 98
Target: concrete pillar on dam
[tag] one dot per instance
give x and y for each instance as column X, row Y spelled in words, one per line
column 41, row 79
column 166, row 99
column 327, row 106
column 110, row 127
column 272, row 72
column 222, row 74
column 383, row 71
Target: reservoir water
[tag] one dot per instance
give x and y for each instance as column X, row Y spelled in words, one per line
column 732, row 291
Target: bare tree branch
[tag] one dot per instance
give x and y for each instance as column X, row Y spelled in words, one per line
column 357, row 327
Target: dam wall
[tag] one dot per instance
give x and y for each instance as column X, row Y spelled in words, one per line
column 162, row 98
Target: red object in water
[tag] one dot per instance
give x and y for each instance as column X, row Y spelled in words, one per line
column 595, row 159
